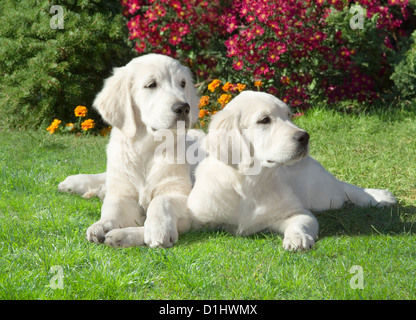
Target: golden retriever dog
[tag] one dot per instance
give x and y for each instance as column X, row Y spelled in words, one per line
column 144, row 192
column 275, row 184
column 253, row 172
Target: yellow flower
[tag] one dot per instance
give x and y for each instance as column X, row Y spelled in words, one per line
column 214, row 84
column 224, row 99
column 80, row 111
column 240, row 87
column 54, row 125
column 258, row 83
column 227, row 86
column 202, row 113
column 87, row 124
column 105, row 131
column 203, row 101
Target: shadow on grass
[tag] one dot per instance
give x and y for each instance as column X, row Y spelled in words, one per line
column 352, row 220
column 349, row 221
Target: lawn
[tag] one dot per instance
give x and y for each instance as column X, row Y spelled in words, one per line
column 45, row 255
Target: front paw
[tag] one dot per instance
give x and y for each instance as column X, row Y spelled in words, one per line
column 96, row 232
column 126, row 237
column 160, row 233
column 296, row 241
column 382, row 198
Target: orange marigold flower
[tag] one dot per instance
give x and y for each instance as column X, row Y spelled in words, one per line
column 203, row 101
column 213, row 85
column 258, row 83
column 241, row 87
column 80, row 111
column 54, row 125
column 227, row 86
column 224, row 99
column 87, row 124
column 202, row 113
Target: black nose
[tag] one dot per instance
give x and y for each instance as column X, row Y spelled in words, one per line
column 181, row 109
column 302, row 137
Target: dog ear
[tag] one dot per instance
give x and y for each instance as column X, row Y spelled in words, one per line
column 115, row 104
column 224, row 137
column 192, row 97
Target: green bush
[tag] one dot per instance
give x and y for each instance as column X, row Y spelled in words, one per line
column 404, row 75
column 46, row 72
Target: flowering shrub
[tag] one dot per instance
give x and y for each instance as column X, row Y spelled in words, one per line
column 80, row 126
column 302, row 50
column 298, row 47
column 181, row 29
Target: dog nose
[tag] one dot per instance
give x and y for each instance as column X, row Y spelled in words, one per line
column 302, row 137
column 181, row 109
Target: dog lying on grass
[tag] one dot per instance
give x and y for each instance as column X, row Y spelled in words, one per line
column 256, row 174
column 279, row 195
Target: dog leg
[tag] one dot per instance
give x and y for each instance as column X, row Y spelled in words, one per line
column 368, row 197
column 167, row 216
column 126, row 237
column 165, row 221
column 299, row 230
column 85, row 185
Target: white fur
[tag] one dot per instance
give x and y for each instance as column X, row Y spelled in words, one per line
column 289, row 184
column 145, row 195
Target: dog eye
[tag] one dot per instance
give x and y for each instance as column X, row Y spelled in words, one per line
column 151, row 85
column 265, row 120
column 183, row 84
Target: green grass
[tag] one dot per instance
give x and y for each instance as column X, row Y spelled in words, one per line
column 41, row 228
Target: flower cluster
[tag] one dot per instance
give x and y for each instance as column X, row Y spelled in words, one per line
column 290, row 43
column 181, row 29
column 387, row 18
column 295, row 47
column 80, row 126
column 216, row 96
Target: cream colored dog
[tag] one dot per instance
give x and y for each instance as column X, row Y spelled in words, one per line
column 287, row 183
column 254, row 173
column 145, row 193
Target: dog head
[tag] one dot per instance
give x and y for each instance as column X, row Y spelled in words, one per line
column 152, row 90
column 262, row 125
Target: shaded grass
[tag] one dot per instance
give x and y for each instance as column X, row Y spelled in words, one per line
column 41, row 228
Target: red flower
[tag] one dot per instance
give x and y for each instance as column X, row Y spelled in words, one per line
column 238, row 65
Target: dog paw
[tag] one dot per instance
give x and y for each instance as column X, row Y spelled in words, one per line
column 126, row 237
column 160, row 235
column 96, row 232
column 382, row 198
column 68, row 185
column 298, row 241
